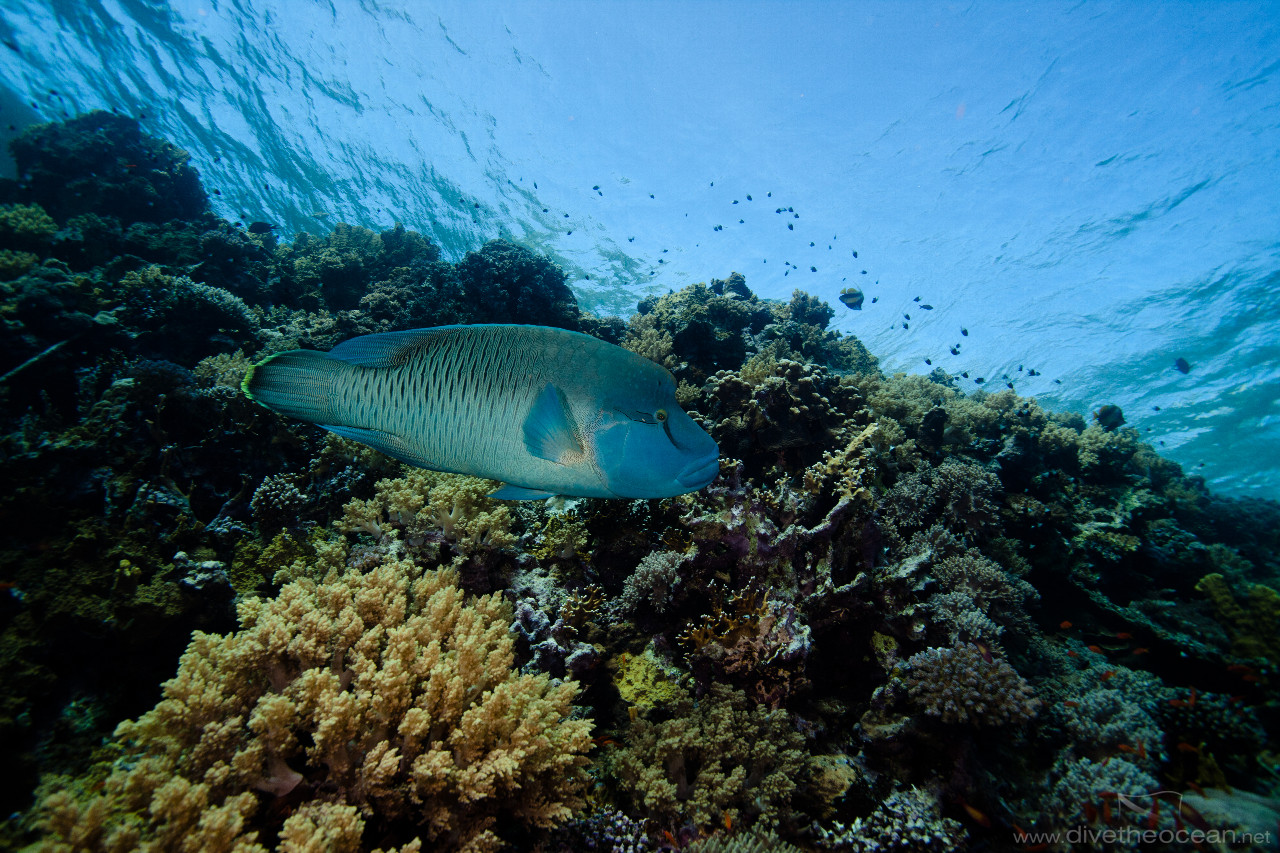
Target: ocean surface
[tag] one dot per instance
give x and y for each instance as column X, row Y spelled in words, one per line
column 1087, row 190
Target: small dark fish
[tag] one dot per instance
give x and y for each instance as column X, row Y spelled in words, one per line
column 875, row 299
column 813, row 269
column 928, row 361
column 650, row 195
column 979, row 380
column 964, row 331
column 1183, row 365
column 955, row 351
column 927, row 307
column 735, row 201
column 965, row 374
column 790, row 227
column 596, row 188
column 1157, row 408
column 852, row 298
column 1109, row 417
column 631, row 239
column 905, row 326
column 260, row 228
column 917, row 299
column 748, row 198
column 906, row 316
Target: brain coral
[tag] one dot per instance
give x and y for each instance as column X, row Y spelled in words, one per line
column 383, row 698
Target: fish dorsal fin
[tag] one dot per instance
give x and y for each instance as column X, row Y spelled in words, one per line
column 549, row 432
column 387, row 349
column 520, row 493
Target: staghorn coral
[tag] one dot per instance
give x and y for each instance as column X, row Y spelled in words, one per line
column 722, row 756
column 382, row 696
column 962, row 685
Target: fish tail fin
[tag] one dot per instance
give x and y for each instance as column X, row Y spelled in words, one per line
column 297, row 383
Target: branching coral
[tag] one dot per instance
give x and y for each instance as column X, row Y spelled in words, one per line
column 963, row 684
column 724, row 756
column 424, row 504
column 907, row 821
column 382, row 696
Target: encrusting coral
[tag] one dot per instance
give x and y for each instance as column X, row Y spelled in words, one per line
column 384, row 697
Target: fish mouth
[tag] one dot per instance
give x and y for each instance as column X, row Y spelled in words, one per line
column 700, row 472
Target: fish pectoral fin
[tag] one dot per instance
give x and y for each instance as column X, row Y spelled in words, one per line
column 549, row 431
column 520, row 493
column 383, row 442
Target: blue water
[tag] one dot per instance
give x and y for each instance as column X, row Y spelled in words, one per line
column 1089, row 188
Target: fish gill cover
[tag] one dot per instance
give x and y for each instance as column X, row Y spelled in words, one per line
column 904, row 615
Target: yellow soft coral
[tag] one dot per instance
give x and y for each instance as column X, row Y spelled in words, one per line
column 453, row 506
column 1255, row 625
column 27, row 223
column 387, row 694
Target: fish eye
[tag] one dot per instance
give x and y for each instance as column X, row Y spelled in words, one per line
column 661, row 415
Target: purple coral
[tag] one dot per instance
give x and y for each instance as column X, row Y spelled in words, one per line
column 964, row 684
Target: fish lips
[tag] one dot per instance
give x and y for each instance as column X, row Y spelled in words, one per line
column 700, row 471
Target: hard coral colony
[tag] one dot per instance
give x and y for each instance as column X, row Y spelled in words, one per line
column 895, row 616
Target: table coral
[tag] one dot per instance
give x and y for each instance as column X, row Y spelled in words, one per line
column 379, row 697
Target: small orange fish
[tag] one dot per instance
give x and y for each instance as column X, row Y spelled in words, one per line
column 1239, row 667
column 1251, row 677
column 1128, row 750
column 1065, row 625
column 1069, row 704
column 1153, row 819
column 1142, row 650
column 978, row 817
column 728, row 822
column 1236, row 700
column 1090, row 813
column 1072, row 653
column 1186, row 747
column 1191, row 703
column 1177, row 703
column 1097, row 650
column 1193, row 786
column 1142, row 750
column 1108, row 675
column 1123, row 635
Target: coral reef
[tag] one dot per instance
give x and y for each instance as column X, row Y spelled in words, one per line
column 961, row 684
column 724, row 756
column 903, row 617
column 381, row 695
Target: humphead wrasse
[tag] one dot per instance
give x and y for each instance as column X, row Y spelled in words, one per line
column 544, row 410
